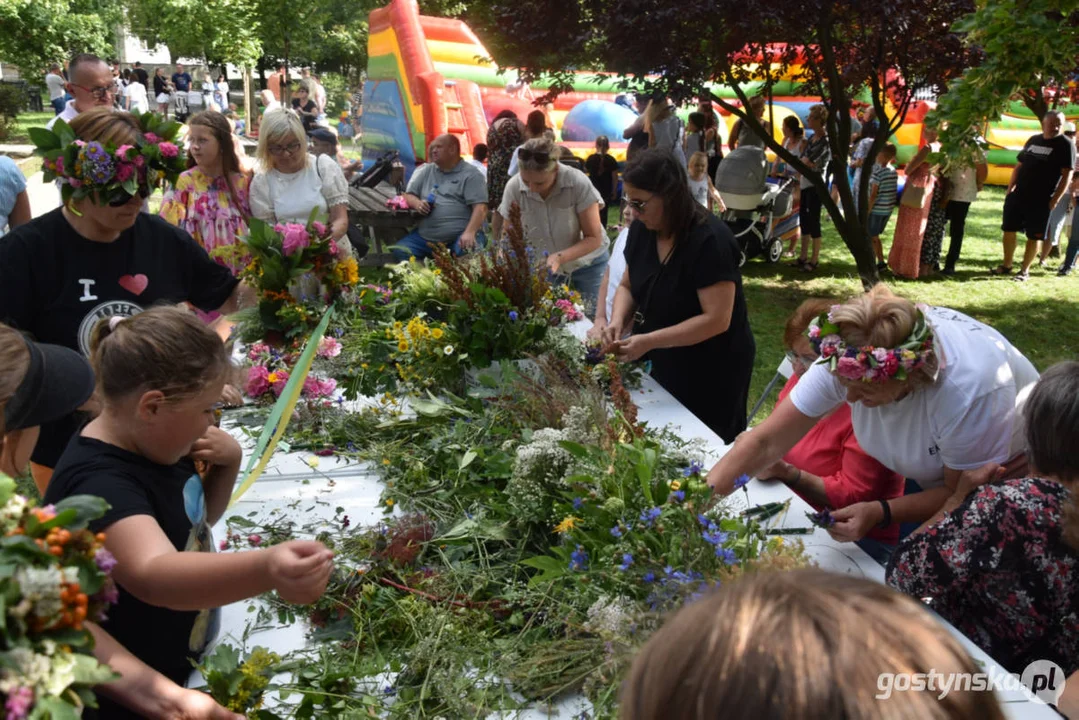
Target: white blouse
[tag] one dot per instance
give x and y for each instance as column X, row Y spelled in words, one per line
column 289, row 197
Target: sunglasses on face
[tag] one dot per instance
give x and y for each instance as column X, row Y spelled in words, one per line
column 143, row 193
column 291, row 148
column 99, row 93
column 793, row 358
column 532, row 155
column 637, row 205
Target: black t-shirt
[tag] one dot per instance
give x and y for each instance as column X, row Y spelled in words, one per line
column 160, row 85
column 141, row 75
column 56, row 284
column 1042, row 161
column 600, row 169
column 308, row 113
column 172, row 495
column 710, row 378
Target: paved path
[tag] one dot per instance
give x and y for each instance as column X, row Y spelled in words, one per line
column 43, row 196
column 17, row 151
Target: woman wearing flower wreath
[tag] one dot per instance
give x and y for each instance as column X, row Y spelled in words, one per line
column 210, row 198
column 40, row 383
column 933, row 394
column 98, row 255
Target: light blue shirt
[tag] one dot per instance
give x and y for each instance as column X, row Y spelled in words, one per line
column 11, row 184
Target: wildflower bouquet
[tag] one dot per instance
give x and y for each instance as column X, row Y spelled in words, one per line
column 54, row 576
column 269, row 372
column 297, row 271
column 418, row 355
column 107, row 173
column 237, row 684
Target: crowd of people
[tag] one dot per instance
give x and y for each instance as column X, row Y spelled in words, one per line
column 897, row 413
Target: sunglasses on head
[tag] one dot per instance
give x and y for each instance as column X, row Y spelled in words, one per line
column 534, row 155
column 143, row 193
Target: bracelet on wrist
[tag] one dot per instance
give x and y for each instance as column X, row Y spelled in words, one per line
column 887, row 514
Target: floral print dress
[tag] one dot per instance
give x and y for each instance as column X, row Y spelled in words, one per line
column 502, row 139
column 203, row 206
column 998, row 569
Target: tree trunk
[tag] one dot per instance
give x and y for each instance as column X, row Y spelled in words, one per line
column 260, row 70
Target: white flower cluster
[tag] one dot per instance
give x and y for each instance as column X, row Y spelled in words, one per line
column 48, row 676
column 41, row 589
column 11, row 513
column 540, row 465
column 578, row 426
column 609, row 617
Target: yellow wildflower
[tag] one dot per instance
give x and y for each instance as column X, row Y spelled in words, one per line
column 676, row 485
column 568, row 523
column 385, row 461
column 363, row 365
column 398, row 325
column 402, row 346
column 437, row 333
column 389, row 502
column 438, row 271
column 271, row 378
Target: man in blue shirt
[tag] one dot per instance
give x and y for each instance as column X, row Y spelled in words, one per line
column 181, row 79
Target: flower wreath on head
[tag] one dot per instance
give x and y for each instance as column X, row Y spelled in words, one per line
column 868, row 363
column 107, row 173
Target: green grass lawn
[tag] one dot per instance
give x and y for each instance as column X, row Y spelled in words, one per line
column 1038, row 316
column 27, row 120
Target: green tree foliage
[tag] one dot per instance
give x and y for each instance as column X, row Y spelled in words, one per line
column 35, row 33
column 220, row 31
column 1028, row 50
column 884, row 49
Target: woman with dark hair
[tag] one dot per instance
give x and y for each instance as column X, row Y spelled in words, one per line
column 602, row 170
column 211, row 199
column 535, row 128
column 1001, row 562
column 682, row 296
column 503, row 137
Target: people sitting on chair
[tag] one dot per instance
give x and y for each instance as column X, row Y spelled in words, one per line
column 1002, row 561
column 932, row 393
column 451, row 195
column 828, row 468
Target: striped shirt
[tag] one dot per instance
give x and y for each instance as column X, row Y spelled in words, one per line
column 885, row 178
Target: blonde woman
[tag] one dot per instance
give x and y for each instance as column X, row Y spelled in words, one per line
column 933, row 394
column 743, row 134
column 290, row 182
column 801, row 644
column 664, row 128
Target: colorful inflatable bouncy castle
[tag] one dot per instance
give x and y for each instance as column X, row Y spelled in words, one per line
column 427, row 76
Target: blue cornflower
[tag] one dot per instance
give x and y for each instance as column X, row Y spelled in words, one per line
column 578, row 559
column 648, row 517
column 513, row 315
column 649, row 577
column 616, row 531
column 703, row 520
column 577, row 503
column 668, row 570
column 694, row 468
column 741, row 481
column 726, row 555
column 627, row 560
column 678, row 495
column 388, row 690
column 716, row 537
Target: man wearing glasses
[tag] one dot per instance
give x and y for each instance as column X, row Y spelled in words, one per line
column 90, row 83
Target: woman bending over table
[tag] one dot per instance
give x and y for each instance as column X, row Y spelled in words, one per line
column 932, row 393
column 1001, row 562
column 828, row 468
column 682, row 297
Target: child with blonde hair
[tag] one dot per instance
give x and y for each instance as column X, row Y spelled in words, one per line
column 159, row 376
column 704, row 192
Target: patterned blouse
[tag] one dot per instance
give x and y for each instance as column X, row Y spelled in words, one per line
column 998, row 569
column 203, row 206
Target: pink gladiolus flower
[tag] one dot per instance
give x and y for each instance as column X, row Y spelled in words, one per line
column 850, row 369
column 320, row 228
column 121, row 152
column 278, row 387
column 168, row 150
column 296, row 239
column 124, row 171
column 328, row 347
column 151, row 138
column 258, row 381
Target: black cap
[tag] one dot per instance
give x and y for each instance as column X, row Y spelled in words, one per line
column 57, row 382
column 323, row 135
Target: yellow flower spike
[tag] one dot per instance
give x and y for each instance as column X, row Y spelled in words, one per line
column 385, row 461
column 675, row 485
column 568, row 523
column 389, row 502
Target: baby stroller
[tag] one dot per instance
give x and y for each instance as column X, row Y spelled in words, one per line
column 754, row 205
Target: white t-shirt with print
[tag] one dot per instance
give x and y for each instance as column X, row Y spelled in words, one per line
column 971, row 416
column 616, row 267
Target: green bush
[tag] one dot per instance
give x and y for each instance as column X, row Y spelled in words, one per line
column 12, row 100
column 337, row 92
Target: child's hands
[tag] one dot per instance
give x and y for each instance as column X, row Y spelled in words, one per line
column 217, row 447
column 300, row 569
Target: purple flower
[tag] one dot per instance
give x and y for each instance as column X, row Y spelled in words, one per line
column 649, row 577
column 715, row 536
column 627, row 560
column 616, row 531
column 741, row 481
column 822, row 519
column 678, row 495
column 578, row 559
column 105, row 561
column 694, row 468
column 19, row 702
column 649, row 517
column 726, row 555
column 513, row 315
column 577, row 503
